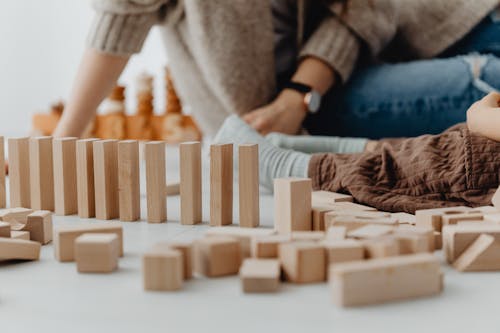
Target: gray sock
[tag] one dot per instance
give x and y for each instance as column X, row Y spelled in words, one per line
column 274, row 162
column 318, row 144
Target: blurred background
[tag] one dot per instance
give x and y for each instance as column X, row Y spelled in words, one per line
column 41, row 46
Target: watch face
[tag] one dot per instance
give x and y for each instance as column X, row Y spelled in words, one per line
column 313, row 101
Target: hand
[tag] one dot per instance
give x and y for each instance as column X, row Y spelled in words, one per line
column 483, row 117
column 284, row 115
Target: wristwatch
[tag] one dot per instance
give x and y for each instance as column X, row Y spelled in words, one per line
column 312, row 98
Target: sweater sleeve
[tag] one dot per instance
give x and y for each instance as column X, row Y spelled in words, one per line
column 334, row 43
column 120, row 27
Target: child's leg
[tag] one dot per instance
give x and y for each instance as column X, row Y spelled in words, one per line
column 318, row 144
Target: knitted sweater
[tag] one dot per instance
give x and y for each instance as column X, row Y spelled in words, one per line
column 221, row 53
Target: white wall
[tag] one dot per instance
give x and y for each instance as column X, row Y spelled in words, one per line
column 41, row 42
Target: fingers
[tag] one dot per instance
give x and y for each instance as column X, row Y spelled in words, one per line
column 491, row 100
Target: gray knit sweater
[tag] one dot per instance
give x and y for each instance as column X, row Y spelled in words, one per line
column 222, row 52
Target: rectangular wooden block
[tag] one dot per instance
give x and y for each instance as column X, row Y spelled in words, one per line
column 455, row 218
column 412, row 243
column 19, row 249
column 482, row 255
column 106, row 179
column 221, row 184
column 432, row 218
column 485, row 210
column 333, row 215
column 405, row 218
column 17, row 234
column 371, row 231
column 303, row 262
column 217, row 256
column 190, row 188
column 267, row 246
column 64, row 237
column 41, row 173
column 154, row 153
column 39, row 225
column 5, row 229
column 19, row 172
column 457, row 238
column 3, row 194
column 292, row 204
column 248, row 177
column 383, row 280
column 381, row 248
column 129, row 191
column 97, row 253
column 243, row 235
column 426, row 232
column 351, row 206
column 353, row 222
column 318, row 217
column 186, row 248
column 85, row 177
column 162, row 270
column 16, row 215
column 260, row 275
column 343, row 251
column 311, row 236
column 320, row 198
column 336, row 233
column 65, row 193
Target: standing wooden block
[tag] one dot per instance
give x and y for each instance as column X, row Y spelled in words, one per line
column 343, row 251
column 19, row 249
column 482, row 255
column 186, row 248
column 260, row 275
column 106, row 179
column 267, row 246
column 248, row 178
column 85, row 177
column 97, row 253
column 65, row 193
column 5, row 229
column 41, row 173
column 303, row 262
column 162, row 270
column 457, row 238
column 19, row 173
column 217, row 256
column 221, row 184
column 190, row 187
column 39, row 224
column 3, row 194
column 292, row 204
column 129, row 192
column 155, row 181
column 388, row 279
column 432, row 218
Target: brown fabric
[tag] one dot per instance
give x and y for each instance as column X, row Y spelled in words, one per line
column 450, row 169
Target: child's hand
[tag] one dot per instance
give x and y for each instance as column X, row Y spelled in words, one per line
column 483, row 117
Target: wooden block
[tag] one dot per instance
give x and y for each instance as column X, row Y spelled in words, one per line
column 438, row 240
column 267, row 246
column 19, row 249
column 173, row 189
column 190, row 188
column 388, row 279
column 350, row 206
column 243, row 235
column 482, row 255
column 129, row 191
column 64, row 237
column 412, row 243
column 492, row 217
column 65, row 193
column 427, row 233
column 16, row 215
column 162, row 270
column 5, row 229
column 303, row 262
column 318, row 217
column 292, row 204
column 85, row 177
column 97, row 253
column 336, row 233
column 405, row 218
column 260, row 275
column 485, row 210
column 343, row 250
column 186, row 248
column 352, row 222
column 331, row 216
column 39, row 225
column 16, row 234
column 19, row 173
column 311, row 236
column 477, row 223
column 371, row 231
column 248, row 178
column 320, row 198
column 495, row 200
column 41, row 173
column 457, row 238
column 221, row 184
column 3, row 194
column 432, row 218
column 381, row 248
column 217, row 256
column 455, row 218
column 106, row 179
column 155, row 181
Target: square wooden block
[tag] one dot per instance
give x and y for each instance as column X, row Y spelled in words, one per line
column 267, row 246
column 217, row 256
column 39, row 224
column 97, row 253
column 186, row 248
column 243, row 235
column 260, row 275
column 303, row 262
column 162, row 270
column 343, row 250
column 17, row 234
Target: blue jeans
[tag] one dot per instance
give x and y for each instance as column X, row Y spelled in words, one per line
column 414, row 98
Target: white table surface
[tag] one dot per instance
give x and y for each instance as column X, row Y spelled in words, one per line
column 48, row 296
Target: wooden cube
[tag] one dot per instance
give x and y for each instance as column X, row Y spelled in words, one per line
column 426, row 232
column 243, row 235
column 97, row 253
column 292, row 204
column 217, row 256
column 260, row 275
column 432, row 218
column 186, row 248
column 303, row 262
column 457, row 238
column 267, row 246
column 343, row 250
column 381, row 248
column 162, row 270
column 39, row 225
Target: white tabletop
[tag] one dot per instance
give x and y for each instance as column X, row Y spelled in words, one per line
column 48, row 296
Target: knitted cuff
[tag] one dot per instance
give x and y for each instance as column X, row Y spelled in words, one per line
column 335, row 44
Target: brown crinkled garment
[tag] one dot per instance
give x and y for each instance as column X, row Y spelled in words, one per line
column 453, row 168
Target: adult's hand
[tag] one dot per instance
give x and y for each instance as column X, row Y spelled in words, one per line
column 483, row 117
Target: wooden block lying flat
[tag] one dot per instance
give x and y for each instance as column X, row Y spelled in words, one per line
column 162, row 270
column 267, row 246
column 97, row 253
column 173, row 189
column 495, row 200
column 5, row 229
column 457, row 238
column 65, row 193
column 390, row 279
column 248, row 178
column 292, row 204
column 16, row 234
column 64, row 237
column 303, row 262
column 492, row 217
column 260, row 275
column 186, row 248
column 19, row 249
column 412, row 243
column 405, row 218
column 328, row 198
column 129, row 189
column 455, row 218
column 243, row 235
column 311, row 236
column 427, row 233
column 343, row 250
column 485, row 210
column 106, row 179
column 331, row 216
column 350, row 206
column 217, row 256
column 190, row 174
column 221, row 184
column 381, row 248
column 482, row 255
column 39, row 225
column 371, row 231
column 318, row 217
column 155, row 181
column 19, row 173
column 85, row 177
column 41, row 173
column 352, row 222
column 336, row 233
column 432, row 218
column 3, row 194
column 15, row 215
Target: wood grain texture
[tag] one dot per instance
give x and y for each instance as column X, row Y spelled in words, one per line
column 65, row 192
column 106, row 179
column 19, row 173
column 154, row 153
column 97, row 253
column 3, row 194
column 292, row 204
column 85, row 177
column 128, row 181
column 260, row 275
column 41, row 173
column 190, row 188
column 221, row 184
column 248, row 181
column 162, row 270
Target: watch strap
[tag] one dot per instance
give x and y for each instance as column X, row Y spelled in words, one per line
column 300, row 87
